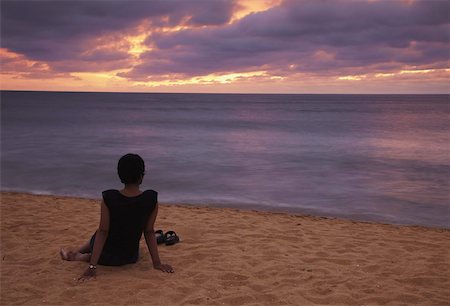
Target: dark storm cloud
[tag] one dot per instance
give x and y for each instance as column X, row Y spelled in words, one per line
column 358, row 34
column 59, row 30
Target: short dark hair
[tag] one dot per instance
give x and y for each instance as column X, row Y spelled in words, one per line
column 130, row 168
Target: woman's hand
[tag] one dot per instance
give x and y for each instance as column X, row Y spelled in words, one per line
column 87, row 275
column 164, row 268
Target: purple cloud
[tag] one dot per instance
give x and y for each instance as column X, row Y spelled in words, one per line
column 357, row 34
column 55, row 31
column 313, row 36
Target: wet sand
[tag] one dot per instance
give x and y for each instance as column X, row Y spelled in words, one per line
column 226, row 256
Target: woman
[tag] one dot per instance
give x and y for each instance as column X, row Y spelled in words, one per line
column 125, row 214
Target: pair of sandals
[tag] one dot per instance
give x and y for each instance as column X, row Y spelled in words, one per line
column 169, row 238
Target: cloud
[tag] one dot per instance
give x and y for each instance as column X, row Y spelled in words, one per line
column 354, row 35
column 56, row 31
column 19, row 67
column 294, row 38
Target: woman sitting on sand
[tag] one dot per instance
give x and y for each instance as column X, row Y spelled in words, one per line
column 125, row 214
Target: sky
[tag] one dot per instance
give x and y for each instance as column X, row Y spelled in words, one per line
column 233, row 46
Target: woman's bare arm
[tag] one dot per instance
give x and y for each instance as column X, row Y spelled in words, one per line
column 150, row 239
column 99, row 243
column 102, row 234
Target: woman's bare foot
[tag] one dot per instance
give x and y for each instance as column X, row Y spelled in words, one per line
column 71, row 255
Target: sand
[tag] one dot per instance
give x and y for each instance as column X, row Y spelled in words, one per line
column 226, row 256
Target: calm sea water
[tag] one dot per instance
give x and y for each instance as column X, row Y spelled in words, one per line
column 370, row 157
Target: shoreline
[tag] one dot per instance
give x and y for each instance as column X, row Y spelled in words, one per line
column 226, row 256
column 251, row 208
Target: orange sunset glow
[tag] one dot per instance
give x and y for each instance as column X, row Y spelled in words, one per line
column 267, row 46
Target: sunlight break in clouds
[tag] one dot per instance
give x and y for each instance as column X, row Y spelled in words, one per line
column 226, row 46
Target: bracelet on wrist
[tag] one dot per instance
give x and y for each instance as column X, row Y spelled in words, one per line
column 92, row 267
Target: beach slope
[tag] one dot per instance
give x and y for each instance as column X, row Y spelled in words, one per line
column 226, row 256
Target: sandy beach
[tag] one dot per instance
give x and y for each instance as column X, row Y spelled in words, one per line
column 226, row 256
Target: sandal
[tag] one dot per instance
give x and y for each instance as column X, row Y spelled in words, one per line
column 171, row 238
column 160, row 238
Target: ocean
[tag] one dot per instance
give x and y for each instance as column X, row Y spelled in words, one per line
column 381, row 158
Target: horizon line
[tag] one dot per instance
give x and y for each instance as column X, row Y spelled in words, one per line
column 218, row 93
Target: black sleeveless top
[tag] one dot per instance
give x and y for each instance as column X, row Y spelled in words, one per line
column 128, row 217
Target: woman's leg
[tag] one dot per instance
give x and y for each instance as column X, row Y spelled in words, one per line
column 74, row 256
column 82, row 254
column 85, row 248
